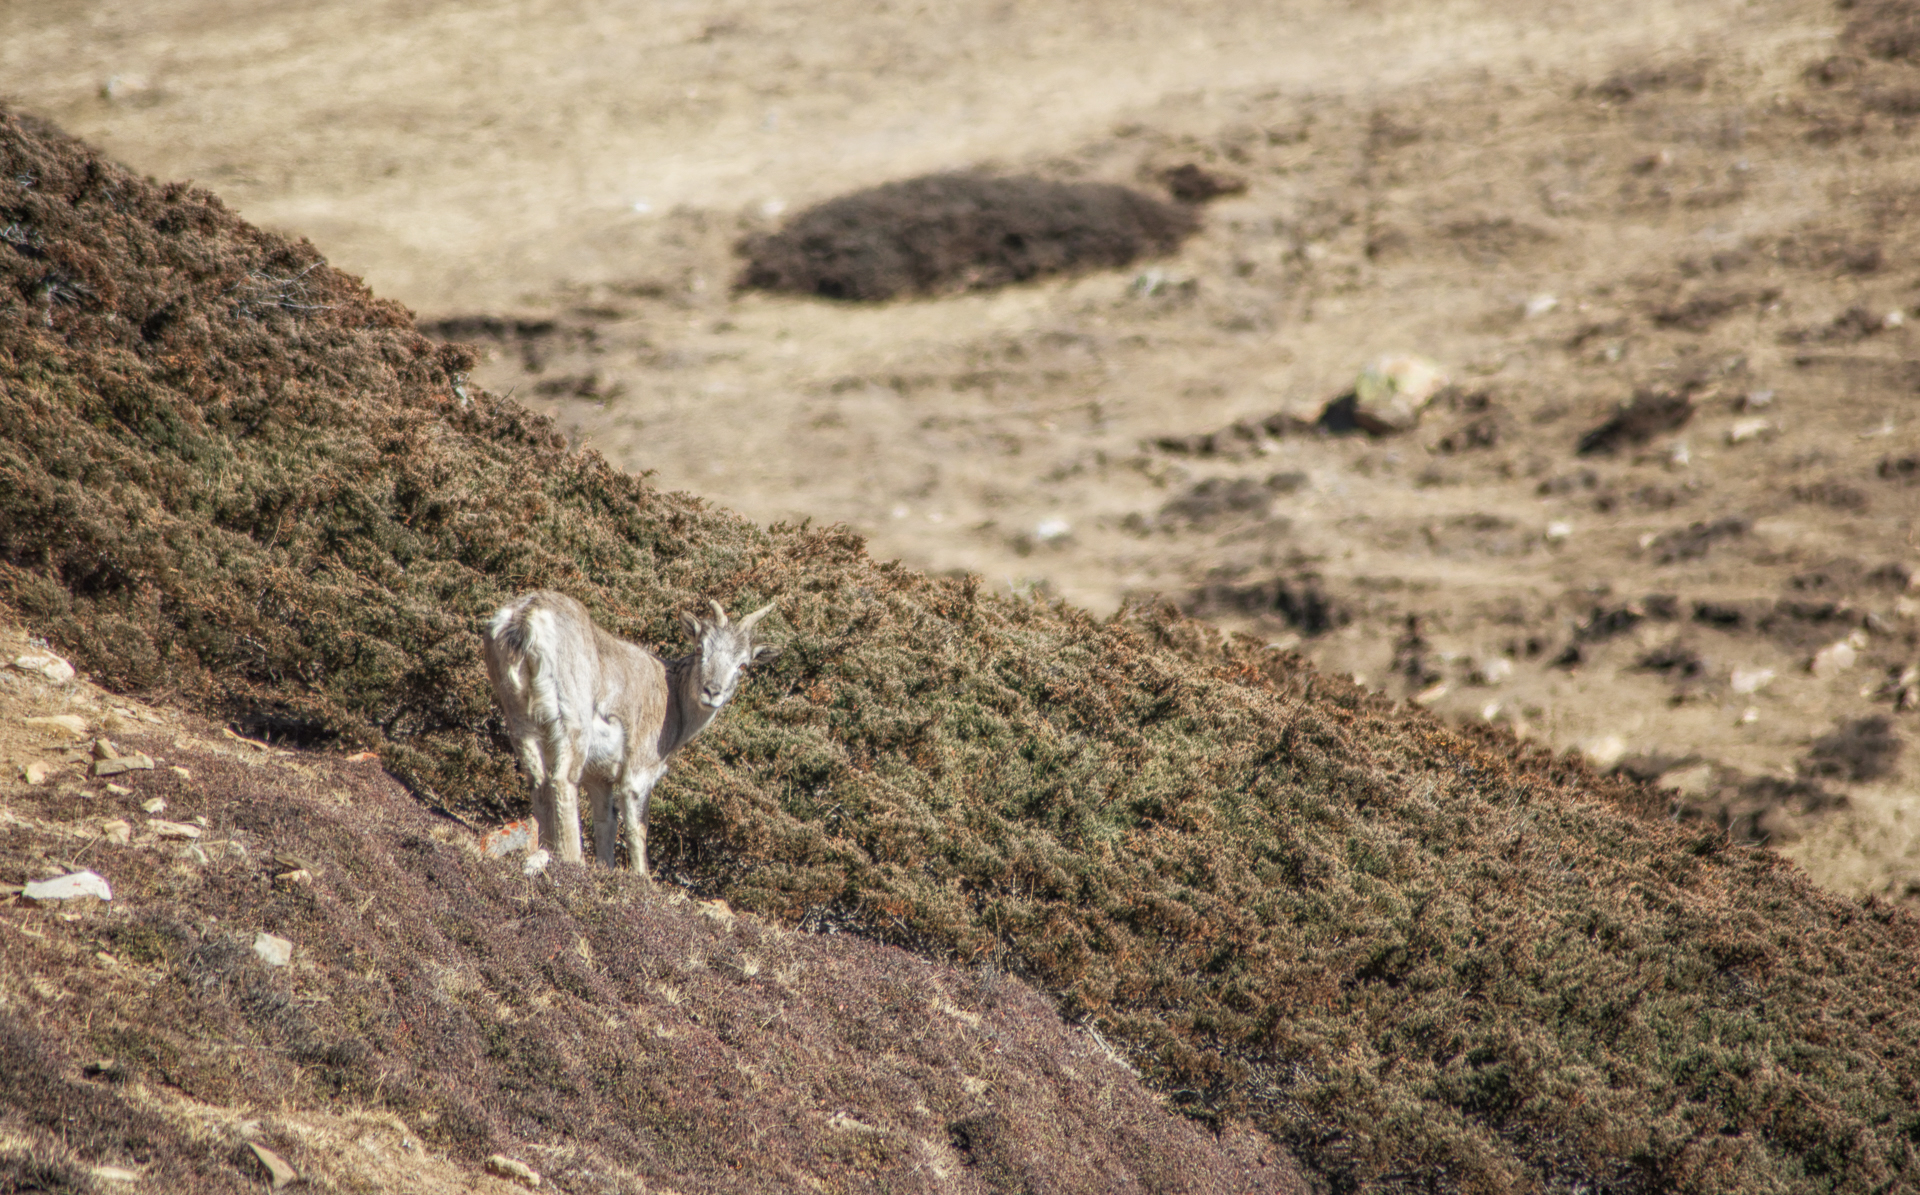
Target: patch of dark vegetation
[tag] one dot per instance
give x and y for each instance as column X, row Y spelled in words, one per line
column 1702, row 311
column 1238, row 439
column 1218, row 498
column 535, row 340
column 1191, row 183
column 1651, row 413
column 1885, row 29
column 947, row 233
column 1852, row 325
column 1395, row 948
column 1625, row 85
column 1902, row 469
column 1411, row 660
column 1675, row 660
column 1756, row 810
column 1300, row 600
column 1835, row 251
column 1692, row 541
column 1858, row 751
column 1835, row 495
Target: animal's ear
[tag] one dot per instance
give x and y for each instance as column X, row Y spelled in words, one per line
column 691, row 626
column 765, row 652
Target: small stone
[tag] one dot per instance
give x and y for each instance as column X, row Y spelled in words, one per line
column 122, row 764
column 1604, row 752
column 153, row 805
column 1392, row 390
column 1748, row 429
column 536, row 863
column 523, row 835
column 103, row 748
column 69, row 887
column 298, row 875
column 115, row 1174
column 45, row 664
column 1048, row 530
column 1492, row 670
column 1430, row 695
column 181, row 772
column 1751, row 680
column 35, row 772
column 364, row 757
column 72, row 725
column 280, row 1172
column 507, row 1167
column 1559, row 532
column 1540, row 304
column 1689, row 781
column 167, row 829
column 273, row 951
column 1748, row 716
column 119, row 790
column 116, row 830
column 1833, row 659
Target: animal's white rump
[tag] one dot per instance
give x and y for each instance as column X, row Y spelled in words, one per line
column 584, row 708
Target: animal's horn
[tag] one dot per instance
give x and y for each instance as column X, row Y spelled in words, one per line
column 718, row 611
column 746, row 624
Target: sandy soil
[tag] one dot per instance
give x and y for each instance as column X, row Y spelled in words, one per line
column 1564, row 206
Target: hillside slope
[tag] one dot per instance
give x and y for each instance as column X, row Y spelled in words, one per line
column 232, row 478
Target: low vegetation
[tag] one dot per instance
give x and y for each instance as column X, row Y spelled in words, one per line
column 231, row 478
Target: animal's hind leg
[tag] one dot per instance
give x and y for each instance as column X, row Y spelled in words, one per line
column 565, row 761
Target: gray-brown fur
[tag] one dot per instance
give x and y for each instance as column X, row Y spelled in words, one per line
column 584, row 708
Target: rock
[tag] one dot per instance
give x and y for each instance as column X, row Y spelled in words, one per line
column 1492, row 670
column 523, row 835
column 35, row 772
column 45, row 664
column 1692, row 781
column 73, row 724
column 1048, row 530
column 182, row 773
column 1430, row 695
column 115, row 1174
column 536, row 863
column 103, row 748
column 1540, row 304
column 69, row 887
column 507, row 1167
column 173, row 829
column 1834, row 659
column 123, row 763
column 119, row 790
column 153, row 805
column 1604, row 752
column 1751, row 680
column 1748, row 429
column 273, row 951
column 116, row 830
column 1559, row 532
column 280, row 1172
column 1392, row 391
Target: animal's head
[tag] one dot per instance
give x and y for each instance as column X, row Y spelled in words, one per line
column 726, row 650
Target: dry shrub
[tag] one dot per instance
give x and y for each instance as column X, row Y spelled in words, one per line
column 1425, row 961
column 946, row 233
column 1651, row 413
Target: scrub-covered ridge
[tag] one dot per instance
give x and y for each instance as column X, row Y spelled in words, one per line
column 232, row 479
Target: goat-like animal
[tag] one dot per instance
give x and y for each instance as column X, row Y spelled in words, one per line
column 585, row 708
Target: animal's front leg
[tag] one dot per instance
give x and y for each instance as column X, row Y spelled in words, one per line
column 636, row 795
column 563, row 797
column 606, row 820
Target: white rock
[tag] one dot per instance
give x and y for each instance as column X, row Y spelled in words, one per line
column 1559, row 532
column 1493, row 670
column 1834, row 659
column 1689, row 781
column 1747, row 429
column 1604, row 752
column 167, row 829
column 273, row 951
column 1538, row 305
column 69, row 887
column 71, row 724
column 1751, row 680
column 537, row 861
column 1051, row 529
column 115, row 1174
column 1894, row 319
column 45, row 664
column 116, row 830
column 1392, row 390
column 1748, row 716
column 35, row 772
column 154, row 805
column 280, row 1172
column 1756, row 399
column 1429, row 696
column 512, row 1168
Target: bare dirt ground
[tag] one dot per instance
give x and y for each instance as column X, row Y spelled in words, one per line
column 1564, row 206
